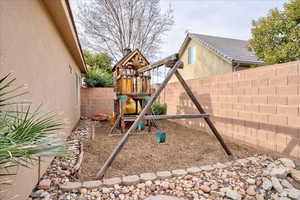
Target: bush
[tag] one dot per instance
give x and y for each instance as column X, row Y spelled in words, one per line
column 96, row 77
column 159, row 109
column 100, row 60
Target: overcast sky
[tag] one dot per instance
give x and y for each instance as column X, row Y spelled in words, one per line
column 225, row 18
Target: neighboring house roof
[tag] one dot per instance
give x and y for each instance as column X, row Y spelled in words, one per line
column 61, row 14
column 128, row 57
column 233, row 50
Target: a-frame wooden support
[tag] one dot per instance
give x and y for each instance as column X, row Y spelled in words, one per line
column 142, row 116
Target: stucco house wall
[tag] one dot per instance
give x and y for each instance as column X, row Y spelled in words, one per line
column 33, row 49
column 207, row 63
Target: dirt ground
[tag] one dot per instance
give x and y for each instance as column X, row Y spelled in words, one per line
column 184, row 148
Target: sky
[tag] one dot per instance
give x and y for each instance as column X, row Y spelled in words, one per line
column 225, row 18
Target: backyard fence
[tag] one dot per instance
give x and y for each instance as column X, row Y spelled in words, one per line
column 96, row 100
column 258, row 107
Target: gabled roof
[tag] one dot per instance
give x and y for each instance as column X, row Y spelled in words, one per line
column 232, row 50
column 128, row 57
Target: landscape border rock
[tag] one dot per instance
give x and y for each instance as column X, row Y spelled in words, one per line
column 163, row 174
column 130, row 180
column 70, row 186
column 193, row 170
column 270, row 186
column 179, row 172
column 112, row 181
column 148, row 177
column 91, row 184
column 80, row 159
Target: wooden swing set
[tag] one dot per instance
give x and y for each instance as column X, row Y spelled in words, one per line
column 138, row 70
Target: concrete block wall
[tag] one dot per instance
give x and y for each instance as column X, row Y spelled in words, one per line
column 96, row 100
column 258, row 107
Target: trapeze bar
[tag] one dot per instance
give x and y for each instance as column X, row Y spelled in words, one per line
column 166, row 61
column 147, row 117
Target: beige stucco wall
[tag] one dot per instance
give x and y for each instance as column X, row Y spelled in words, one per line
column 207, row 63
column 32, row 48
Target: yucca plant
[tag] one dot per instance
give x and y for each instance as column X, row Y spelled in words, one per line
column 25, row 134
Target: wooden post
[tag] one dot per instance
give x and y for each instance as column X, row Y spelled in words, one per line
column 117, row 123
column 201, row 110
column 117, row 149
column 149, row 125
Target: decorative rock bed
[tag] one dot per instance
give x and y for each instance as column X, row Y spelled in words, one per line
column 258, row 177
column 63, row 170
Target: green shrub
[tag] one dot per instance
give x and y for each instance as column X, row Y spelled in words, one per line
column 99, row 60
column 159, row 109
column 96, row 77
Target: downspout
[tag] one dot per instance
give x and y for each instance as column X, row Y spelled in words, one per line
column 235, row 66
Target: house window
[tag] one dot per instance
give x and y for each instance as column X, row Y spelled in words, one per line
column 192, row 55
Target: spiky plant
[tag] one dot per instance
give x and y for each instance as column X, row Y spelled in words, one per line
column 25, row 134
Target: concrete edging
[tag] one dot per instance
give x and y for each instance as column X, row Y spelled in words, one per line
column 144, row 177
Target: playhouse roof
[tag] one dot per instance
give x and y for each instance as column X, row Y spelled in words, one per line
column 128, row 57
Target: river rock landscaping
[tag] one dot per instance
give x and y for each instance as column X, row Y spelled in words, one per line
column 256, row 177
column 64, row 169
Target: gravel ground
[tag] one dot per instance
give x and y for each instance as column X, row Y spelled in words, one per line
column 186, row 147
column 257, row 177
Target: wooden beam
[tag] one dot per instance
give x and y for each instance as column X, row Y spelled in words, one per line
column 201, row 110
column 135, row 94
column 117, row 122
column 170, row 59
column 119, row 146
column 149, row 117
column 185, row 116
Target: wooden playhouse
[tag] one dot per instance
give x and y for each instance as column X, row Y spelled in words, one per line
column 132, row 88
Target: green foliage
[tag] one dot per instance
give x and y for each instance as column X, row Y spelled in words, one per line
column 100, row 60
column 99, row 70
column 159, row 109
column 276, row 38
column 25, row 134
column 96, row 77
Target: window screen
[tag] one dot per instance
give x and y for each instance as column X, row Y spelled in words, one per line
column 191, row 55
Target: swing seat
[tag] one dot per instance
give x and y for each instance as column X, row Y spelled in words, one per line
column 147, row 98
column 160, row 136
column 123, row 98
column 141, row 126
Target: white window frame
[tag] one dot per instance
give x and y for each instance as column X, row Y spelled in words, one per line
column 192, row 55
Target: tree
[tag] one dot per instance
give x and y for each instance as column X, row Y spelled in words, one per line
column 96, row 77
column 100, row 60
column 111, row 26
column 99, row 70
column 276, row 38
column 25, row 134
